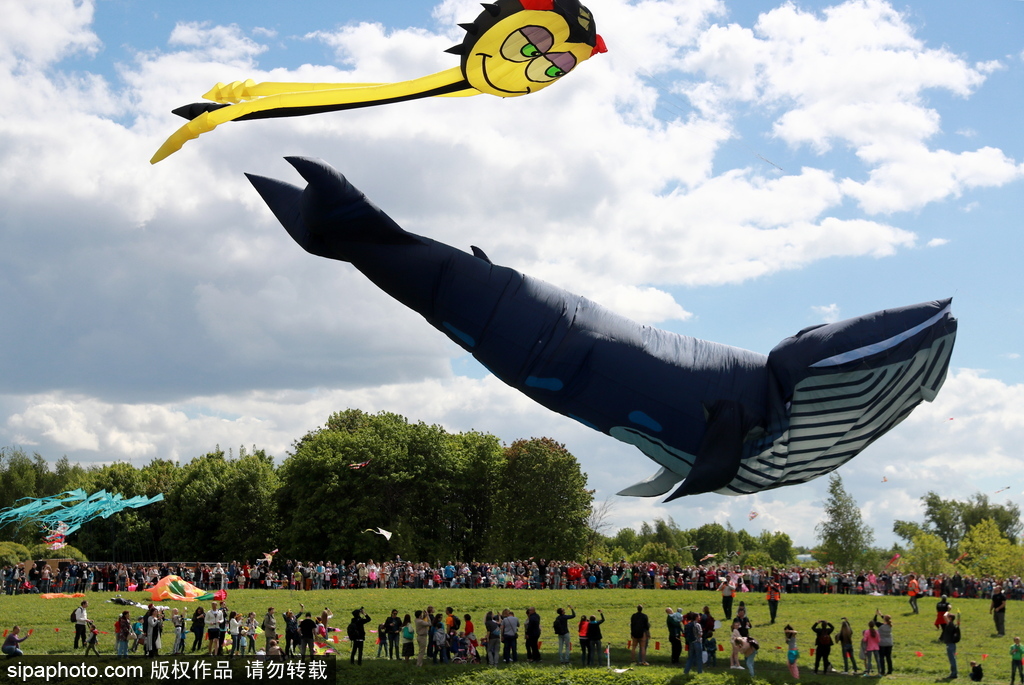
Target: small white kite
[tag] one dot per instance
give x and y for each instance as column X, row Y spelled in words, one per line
column 379, row 531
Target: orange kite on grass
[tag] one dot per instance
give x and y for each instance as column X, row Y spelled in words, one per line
column 173, row 587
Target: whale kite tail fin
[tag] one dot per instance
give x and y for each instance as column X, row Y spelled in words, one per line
column 329, row 214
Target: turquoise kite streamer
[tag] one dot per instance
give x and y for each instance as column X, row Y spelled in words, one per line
column 71, row 509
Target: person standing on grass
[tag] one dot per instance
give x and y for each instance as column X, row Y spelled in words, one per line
column 123, row 634
column 492, row 625
column 213, row 620
column 913, row 590
column 422, row 633
column 674, row 622
column 307, row 630
column 885, row 642
column 269, row 626
column 694, row 635
column 561, row 629
column 509, row 636
column 846, row 644
column 998, row 610
column 584, row 641
column 392, row 628
column 357, row 635
column 532, row 635
column 940, row 612
column 1016, row 660
column 792, row 653
column 773, row 596
column 640, row 633
column 870, row 638
column 198, row 627
column 951, row 637
column 822, row 645
column 594, row 637
column 728, row 590
column 82, row 624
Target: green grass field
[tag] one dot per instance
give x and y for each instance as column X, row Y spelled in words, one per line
column 53, row 633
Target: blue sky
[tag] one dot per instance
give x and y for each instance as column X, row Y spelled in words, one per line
column 734, row 171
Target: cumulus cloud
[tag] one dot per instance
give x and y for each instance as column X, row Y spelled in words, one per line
column 829, row 313
column 161, row 310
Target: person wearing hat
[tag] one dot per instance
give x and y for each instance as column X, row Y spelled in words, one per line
column 998, row 610
column 951, row 637
column 940, row 612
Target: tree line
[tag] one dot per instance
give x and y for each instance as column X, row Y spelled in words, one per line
column 972, row 537
column 444, row 496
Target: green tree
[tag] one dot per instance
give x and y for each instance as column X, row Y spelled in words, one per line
column 757, row 559
column 843, row 536
column 908, row 530
column 657, row 552
column 541, row 503
column 927, row 556
column 435, row 491
column 714, row 538
column 778, row 546
column 1006, row 517
column 250, row 503
column 989, row 553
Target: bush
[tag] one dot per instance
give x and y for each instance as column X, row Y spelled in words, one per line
column 41, row 551
column 13, row 553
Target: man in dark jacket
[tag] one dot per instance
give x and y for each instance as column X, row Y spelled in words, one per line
column 639, row 633
column 532, row 634
column 356, row 635
column 392, row 627
column 674, row 621
column 951, row 637
column 561, row 628
column 594, row 639
column 307, row 628
column 823, row 645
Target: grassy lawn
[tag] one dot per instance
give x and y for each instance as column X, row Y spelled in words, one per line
column 53, row 633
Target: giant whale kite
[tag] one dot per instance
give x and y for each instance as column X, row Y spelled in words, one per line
column 715, row 418
column 515, row 47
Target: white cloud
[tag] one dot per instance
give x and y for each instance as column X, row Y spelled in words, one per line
column 938, row 242
column 41, row 32
column 828, row 313
column 161, row 310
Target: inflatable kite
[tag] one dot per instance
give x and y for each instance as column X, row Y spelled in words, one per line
column 173, row 587
column 515, row 47
column 715, row 418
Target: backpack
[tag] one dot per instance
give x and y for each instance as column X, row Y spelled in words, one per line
column 456, row 623
column 74, row 615
column 689, row 632
column 753, row 643
column 440, row 637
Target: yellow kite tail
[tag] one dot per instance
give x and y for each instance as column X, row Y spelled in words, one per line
column 284, row 100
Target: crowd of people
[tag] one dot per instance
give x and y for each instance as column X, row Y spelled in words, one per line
column 528, row 574
column 443, row 637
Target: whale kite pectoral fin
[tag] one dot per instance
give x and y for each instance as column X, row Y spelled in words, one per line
column 655, row 486
column 329, row 213
column 720, row 450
